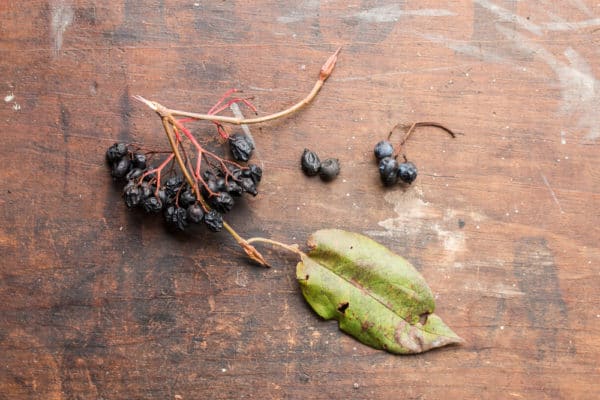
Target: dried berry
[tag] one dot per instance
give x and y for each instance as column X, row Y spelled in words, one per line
column 330, row 168
column 214, row 220
column 177, row 217
column 241, row 146
column 233, row 188
column 254, row 172
column 383, row 149
column 195, row 213
column 388, row 171
column 116, row 152
column 407, row 172
column 173, row 184
column 187, row 197
column 139, row 160
column 132, row 194
column 152, row 204
column 222, row 202
column 310, row 162
column 120, row 168
column 134, row 173
column 248, row 186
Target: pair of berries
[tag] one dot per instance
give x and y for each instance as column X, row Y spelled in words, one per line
column 312, row 165
column 390, row 170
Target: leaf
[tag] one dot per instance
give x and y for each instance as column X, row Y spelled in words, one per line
column 375, row 295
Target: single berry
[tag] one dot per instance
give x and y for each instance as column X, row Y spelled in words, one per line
column 177, row 217
column 330, row 168
column 152, row 204
column 173, row 184
column 407, row 172
column 132, row 194
column 214, row 220
column 134, row 173
column 310, row 162
column 241, row 146
column 222, row 202
column 388, row 171
column 383, row 149
column 147, row 190
column 116, row 152
column 233, row 188
column 120, row 168
column 195, row 213
column 254, row 172
column 248, row 186
column 187, row 197
column 139, row 160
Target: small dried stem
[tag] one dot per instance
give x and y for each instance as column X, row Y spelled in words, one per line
column 411, row 129
column 324, row 73
column 292, row 248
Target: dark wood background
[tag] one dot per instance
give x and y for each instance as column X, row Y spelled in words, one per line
column 100, row 302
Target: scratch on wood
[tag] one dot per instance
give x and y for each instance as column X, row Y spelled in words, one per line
column 62, row 17
column 552, row 192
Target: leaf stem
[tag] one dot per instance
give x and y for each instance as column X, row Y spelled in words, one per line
column 292, row 248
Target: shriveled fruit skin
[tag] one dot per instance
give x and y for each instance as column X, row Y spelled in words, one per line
column 310, row 162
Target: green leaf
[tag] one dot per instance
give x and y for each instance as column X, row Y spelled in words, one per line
column 375, row 295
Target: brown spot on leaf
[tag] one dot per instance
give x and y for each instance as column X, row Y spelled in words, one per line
column 366, row 325
column 343, row 306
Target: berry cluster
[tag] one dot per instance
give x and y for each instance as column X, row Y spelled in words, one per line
column 390, row 170
column 328, row 169
column 180, row 203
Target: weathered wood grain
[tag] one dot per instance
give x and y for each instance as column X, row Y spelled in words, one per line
column 100, row 302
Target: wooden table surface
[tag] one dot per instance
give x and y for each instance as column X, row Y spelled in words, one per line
column 100, row 302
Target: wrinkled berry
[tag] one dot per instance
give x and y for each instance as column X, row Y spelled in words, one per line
column 407, row 172
column 233, row 188
column 152, row 204
column 139, row 160
column 134, row 173
column 222, row 202
column 214, row 220
column 147, row 190
column 121, row 168
column 187, row 197
column 195, row 213
column 176, row 216
column 254, row 172
column 383, row 149
column 310, row 162
column 388, row 171
column 248, row 186
column 132, row 194
column 173, row 184
column 330, row 168
column 116, row 152
column 241, row 146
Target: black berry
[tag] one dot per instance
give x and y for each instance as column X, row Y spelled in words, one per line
column 134, row 173
column 139, row 160
column 248, row 186
column 222, row 202
column 187, row 197
column 132, row 194
column 152, row 204
column 241, row 146
column 173, row 184
column 120, row 168
column 407, row 172
column 330, row 168
column 310, row 162
column 214, row 220
column 233, row 188
column 195, row 213
column 254, row 172
column 116, row 152
column 177, row 217
column 388, row 171
column 383, row 149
